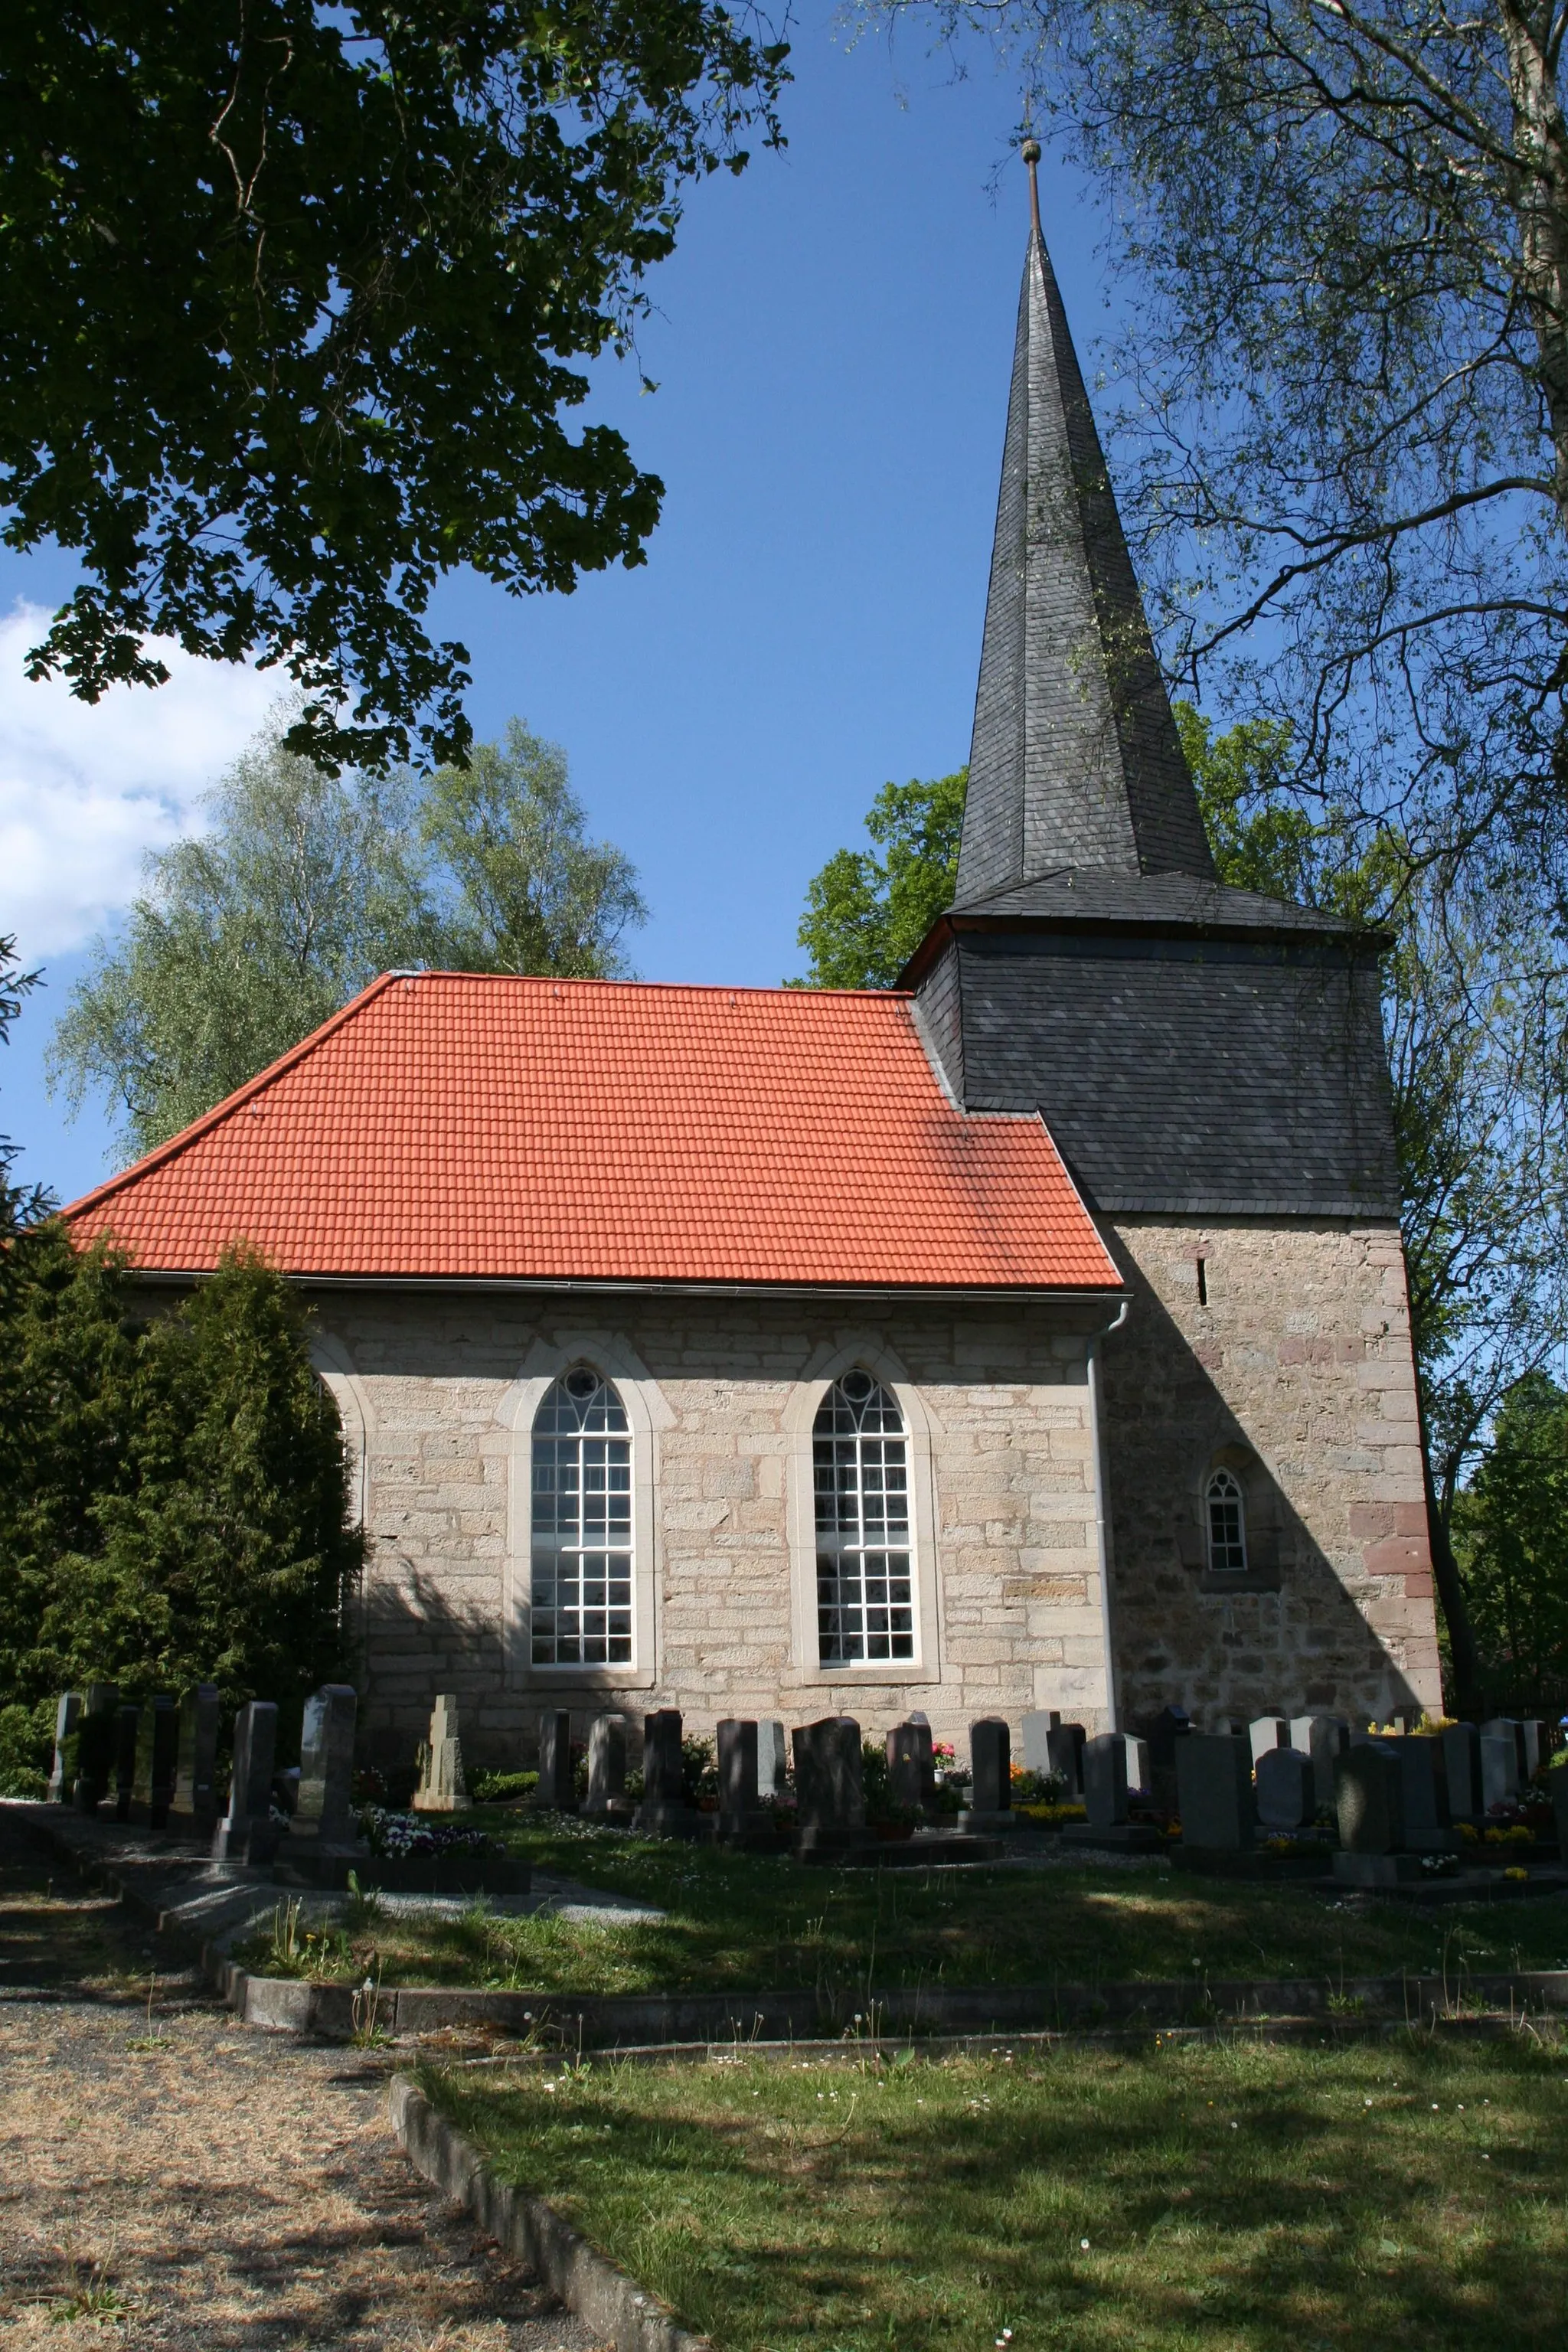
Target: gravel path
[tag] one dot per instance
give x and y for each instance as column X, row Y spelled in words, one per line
column 170, row 2179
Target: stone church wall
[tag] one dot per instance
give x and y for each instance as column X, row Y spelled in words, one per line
column 439, row 1390
column 1295, row 1370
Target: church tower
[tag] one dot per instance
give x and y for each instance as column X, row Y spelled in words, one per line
column 1211, row 1064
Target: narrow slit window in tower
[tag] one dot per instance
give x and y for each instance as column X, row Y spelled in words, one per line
column 1227, row 1524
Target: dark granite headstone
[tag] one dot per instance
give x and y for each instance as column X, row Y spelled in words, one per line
column 1166, row 1730
column 192, row 1812
column 1499, row 1769
column 606, row 1798
column 1105, row 1780
column 62, row 1773
column 1462, row 1769
column 97, row 1739
column 742, row 1818
column 1322, row 1737
column 990, row 1773
column 829, row 1785
column 1286, row 1789
column 1214, row 1782
column 127, row 1724
column 557, row 1790
column 246, row 1832
column 1052, row 1746
column 1537, row 1743
column 663, row 1811
column 157, row 1756
column 911, row 1765
column 324, row 1807
column 1424, row 1793
column 1369, row 1799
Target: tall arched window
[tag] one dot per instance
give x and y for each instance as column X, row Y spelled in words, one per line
column 1226, row 1509
column 864, row 1607
column 581, row 1575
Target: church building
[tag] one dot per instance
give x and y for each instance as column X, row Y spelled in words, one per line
column 1032, row 1335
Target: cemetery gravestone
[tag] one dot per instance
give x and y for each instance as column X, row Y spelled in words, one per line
column 1424, row 1793
column 1268, row 1731
column 157, row 1757
column 1368, row 1789
column 772, row 1759
column 1286, row 1789
column 830, row 1796
column 62, row 1773
column 742, row 1818
column 194, row 1812
column 911, row 1765
column 1214, row 1778
column 1557, row 1785
column 97, row 1739
column 324, row 1807
column 246, row 1832
column 442, row 1787
column 1537, row 1744
column 606, row 1798
column 1503, row 1728
column 1171, row 1725
column 990, row 1804
column 1462, row 1771
column 1322, row 1737
column 1500, row 1769
column 1105, row 1780
column 127, row 1723
column 663, row 1811
column 557, row 1789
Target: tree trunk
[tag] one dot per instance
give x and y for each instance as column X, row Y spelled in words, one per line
column 1540, row 193
column 1470, row 1697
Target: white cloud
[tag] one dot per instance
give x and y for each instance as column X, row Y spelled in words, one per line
column 87, row 788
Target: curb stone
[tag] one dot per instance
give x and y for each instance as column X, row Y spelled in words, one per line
column 619, row 2311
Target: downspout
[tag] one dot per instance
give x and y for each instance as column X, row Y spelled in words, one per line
column 1101, row 1532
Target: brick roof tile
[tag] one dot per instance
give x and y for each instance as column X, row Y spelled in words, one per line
column 461, row 1125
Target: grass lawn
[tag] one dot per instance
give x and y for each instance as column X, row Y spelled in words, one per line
column 1242, row 2198
column 735, row 1922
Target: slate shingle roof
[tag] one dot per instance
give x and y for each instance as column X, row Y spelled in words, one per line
column 470, row 1126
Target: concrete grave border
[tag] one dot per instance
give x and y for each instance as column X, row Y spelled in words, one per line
column 612, row 2303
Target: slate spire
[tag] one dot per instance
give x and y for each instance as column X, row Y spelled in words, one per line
column 1076, row 763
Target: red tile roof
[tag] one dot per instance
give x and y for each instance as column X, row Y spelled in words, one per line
column 461, row 1125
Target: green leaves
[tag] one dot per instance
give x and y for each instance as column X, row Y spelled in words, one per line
column 1510, row 1532
column 293, row 300
column 251, row 935
column 175, row 1503
column 866, row 914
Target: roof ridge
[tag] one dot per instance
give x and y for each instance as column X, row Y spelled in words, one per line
column 669, row 987
column 171, row 1149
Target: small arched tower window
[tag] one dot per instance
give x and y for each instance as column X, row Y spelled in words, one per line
column 1226, row 1508
column 864, row 1607
column 582, row 1571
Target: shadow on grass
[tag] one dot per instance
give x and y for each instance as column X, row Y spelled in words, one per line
column 1241, row 2197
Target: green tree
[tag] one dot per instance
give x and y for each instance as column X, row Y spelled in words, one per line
column 527, row 893
column 293, row 297
column 866, row 914
column 249, row 936
column 1511, row 1537
column 1342, row 231
column 175, row 1507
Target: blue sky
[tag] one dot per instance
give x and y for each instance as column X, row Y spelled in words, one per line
column 831, row 345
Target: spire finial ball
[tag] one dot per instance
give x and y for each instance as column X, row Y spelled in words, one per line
column 1030, row 150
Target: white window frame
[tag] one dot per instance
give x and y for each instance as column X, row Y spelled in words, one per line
column 1222, row 1486
column 922, row 1432
column 568, row 1553
column 610, row 1354
column 844, row 1558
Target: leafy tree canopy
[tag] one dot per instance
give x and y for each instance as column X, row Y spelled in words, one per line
column 295, row 299
column 175, row 1502
column 1343, row 439
column 1511, row 1529
column 866, row 914
column 249, row 936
